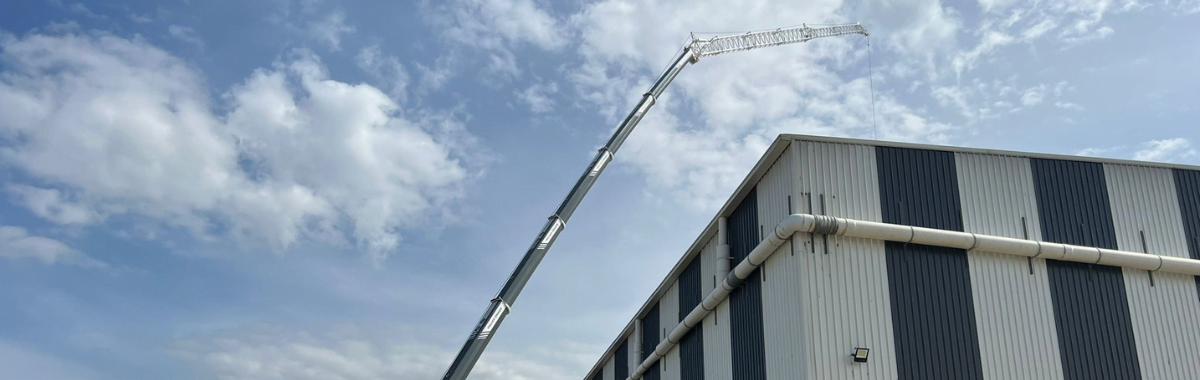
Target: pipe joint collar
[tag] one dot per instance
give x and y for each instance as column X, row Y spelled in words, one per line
column 824, row 225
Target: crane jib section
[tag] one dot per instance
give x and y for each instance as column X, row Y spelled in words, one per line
column 754, row 40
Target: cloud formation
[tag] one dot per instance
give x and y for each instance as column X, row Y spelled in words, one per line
column 112, row 126
column 352, row 353
column 17, row 243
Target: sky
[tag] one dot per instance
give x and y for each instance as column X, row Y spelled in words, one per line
column 278, row 189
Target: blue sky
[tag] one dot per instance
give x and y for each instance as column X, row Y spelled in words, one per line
column 307, row 189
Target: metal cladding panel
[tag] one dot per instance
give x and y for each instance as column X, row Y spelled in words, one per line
column 775, row 191
column 691, row 347
column 843, row 294
column 609, row 368
column 781, row 284
column 1145, row 206
column 621, row 369
column 717, row 360
column 650, row 336
column 1187, row 188
column 1091, row 312
column 670, row 364
column 668, row 307
column 933, row 312
column 1013, row 309
column 745, row 302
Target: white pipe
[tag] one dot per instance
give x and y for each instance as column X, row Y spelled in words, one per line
column 828, row 225
column 724, row 260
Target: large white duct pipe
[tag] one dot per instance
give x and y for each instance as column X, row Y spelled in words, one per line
column 828, row 225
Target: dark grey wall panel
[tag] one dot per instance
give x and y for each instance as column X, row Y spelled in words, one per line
column 933, row 315
column 650, row 338
column 691, row 347
column 745, row 302
column 1091, row 311
column 599, row 375
column 621, row 367
column 1187, row 186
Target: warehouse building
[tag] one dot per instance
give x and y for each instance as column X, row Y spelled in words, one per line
column 836, row 305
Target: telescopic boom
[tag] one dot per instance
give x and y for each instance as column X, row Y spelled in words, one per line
column 692, row 52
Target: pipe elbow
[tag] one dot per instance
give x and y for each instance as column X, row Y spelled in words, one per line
column 795, row 223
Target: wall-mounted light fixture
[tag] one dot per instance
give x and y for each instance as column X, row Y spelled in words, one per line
column 860, row 355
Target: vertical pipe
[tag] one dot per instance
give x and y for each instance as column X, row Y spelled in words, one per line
column 723, row 257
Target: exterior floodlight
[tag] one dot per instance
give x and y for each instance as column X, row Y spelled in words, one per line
column 860, row 355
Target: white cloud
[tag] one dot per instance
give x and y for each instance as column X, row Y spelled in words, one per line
column 386, row 69
column 501, row 68
column 53, row 205
column 499, row 24
column 17, row 243
column 297, row 155
column 954, row 96
column 187, row 35
column 350, row 353
column 1167, row 150
column 75, row 7
column 989, row 43
column 1096, row 152
column 538, row 97
column 921, row 33
column 436, row 77
column 329, row 31
column 1033, row 96
column 1039, row 29
column 1177, row 149
column 1068, row 105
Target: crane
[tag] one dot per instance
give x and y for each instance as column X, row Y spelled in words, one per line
column 500, row 305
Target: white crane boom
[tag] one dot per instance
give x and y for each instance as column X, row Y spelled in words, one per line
column 499, row 307
column 768, row 38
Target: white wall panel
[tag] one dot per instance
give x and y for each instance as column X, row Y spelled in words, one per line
column 842, row 300
column 783, row 340
column 609, row 369
column 717, row 365
column 671, row 369
column 1013, row 309
column 668, row 307
column 1166, row 316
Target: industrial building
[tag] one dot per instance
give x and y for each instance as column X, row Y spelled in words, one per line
column 930, row 262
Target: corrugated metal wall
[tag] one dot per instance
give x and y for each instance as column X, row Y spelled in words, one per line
column 718, row 363
column 939, row 313
column 1145, row 205
column 691, row 347
column 622, row 359
column 650, row 337
column 1090, row 308
column 1015, row 314
column 930, row 286
column 783, row 341
column 668, row 318
column 843, row 293
column 1187, row 187
column 745, row 302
